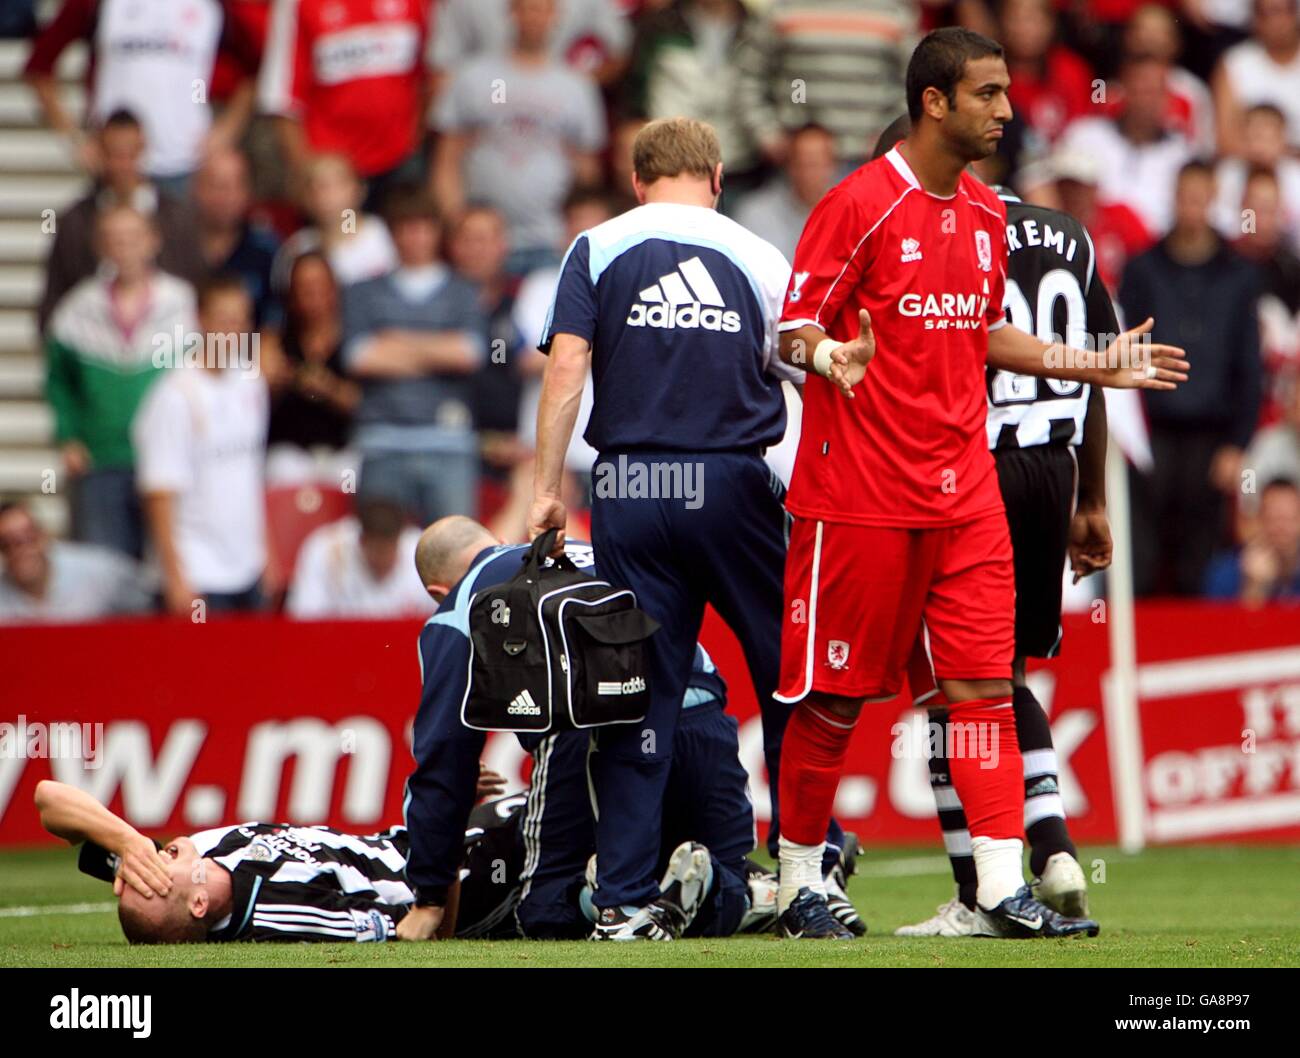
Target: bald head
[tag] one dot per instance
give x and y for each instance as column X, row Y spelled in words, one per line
column 446, row 549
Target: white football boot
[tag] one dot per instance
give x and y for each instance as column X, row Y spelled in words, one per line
column 953, row 919
column 1063, row 887
column 686, row 882
column 762, row 912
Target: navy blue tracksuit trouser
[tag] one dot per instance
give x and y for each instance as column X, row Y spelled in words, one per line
column 706, row 800
column 729, row 551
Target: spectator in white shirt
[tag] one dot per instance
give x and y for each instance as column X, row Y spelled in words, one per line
column 1263, row 69
column 1140, row 157
column 356, row 244
column 45, row 581
column 200, row 443
column 1263, row 146
column 362, row 566
column 157, row 59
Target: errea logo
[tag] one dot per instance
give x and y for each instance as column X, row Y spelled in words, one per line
column 685, row 298
column 911, row 251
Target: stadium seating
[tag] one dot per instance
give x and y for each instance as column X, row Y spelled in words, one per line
column 293, row 512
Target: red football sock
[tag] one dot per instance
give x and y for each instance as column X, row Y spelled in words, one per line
column 992, row 795
column 812, row 759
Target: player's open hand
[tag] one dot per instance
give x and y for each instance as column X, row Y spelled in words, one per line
column 1129, row 362
column 547, row 512
column 420, row 923
column 142, row 867
column 849, row 362
column 1090, row 544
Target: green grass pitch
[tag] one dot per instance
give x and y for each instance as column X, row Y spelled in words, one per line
column 1185, row 907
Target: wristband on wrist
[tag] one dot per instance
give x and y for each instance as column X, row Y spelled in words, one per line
column 821, row 361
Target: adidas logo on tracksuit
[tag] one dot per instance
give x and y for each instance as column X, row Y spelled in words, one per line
column 687, row 297
column 633, row 686
column 524, row 705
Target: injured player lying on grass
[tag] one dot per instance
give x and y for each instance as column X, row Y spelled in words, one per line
column 278, row 882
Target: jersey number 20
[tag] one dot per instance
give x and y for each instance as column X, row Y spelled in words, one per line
column 1057, row 285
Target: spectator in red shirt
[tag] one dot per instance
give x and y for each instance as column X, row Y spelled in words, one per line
column 1050, row 84
column 348, row 77
column 148, row 56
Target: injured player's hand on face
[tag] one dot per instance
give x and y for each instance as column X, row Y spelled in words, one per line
column 200, row 895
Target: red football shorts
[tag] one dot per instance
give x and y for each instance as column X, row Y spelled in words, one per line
column 863, row 601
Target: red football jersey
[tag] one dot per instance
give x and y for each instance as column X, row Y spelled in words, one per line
column 353, row 71
column 909, row 450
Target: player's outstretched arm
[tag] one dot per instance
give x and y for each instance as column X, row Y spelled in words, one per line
column 75, row 816
column 557, row 413
column 1129, row 362
column 843, row 363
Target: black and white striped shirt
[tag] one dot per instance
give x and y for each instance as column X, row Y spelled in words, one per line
column 309, row 883
column 1053, row 291
column 295, row 883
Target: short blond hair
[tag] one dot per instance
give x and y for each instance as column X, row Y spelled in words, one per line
column 673, row 147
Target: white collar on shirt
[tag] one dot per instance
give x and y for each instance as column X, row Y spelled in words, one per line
column 417, row 284
column 905, row 171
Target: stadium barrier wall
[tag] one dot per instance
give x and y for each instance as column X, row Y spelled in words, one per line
column 187, row 726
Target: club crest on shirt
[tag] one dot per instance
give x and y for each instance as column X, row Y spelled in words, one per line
column 837, row 654
column 984, row 249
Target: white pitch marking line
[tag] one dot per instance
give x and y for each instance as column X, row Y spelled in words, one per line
column 903, row 868
column 56, row 909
